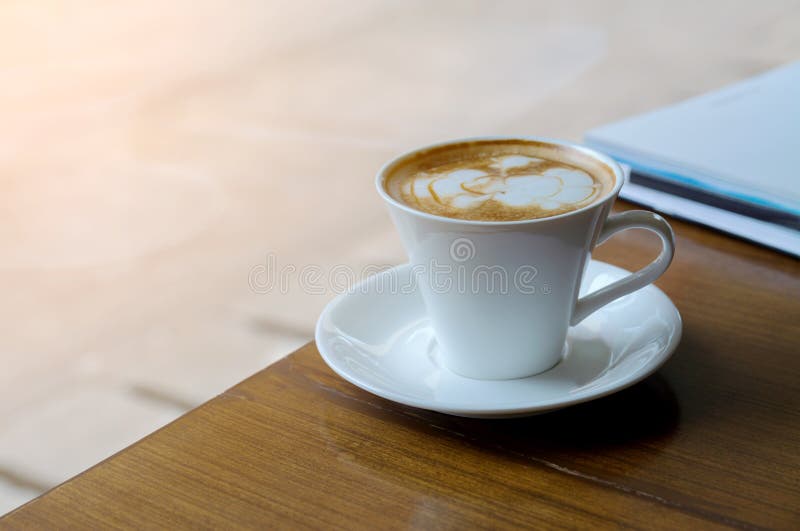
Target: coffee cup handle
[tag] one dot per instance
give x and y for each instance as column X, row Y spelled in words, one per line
column 632, row 219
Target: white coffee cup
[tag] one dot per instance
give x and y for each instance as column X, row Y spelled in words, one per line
column 501, row 295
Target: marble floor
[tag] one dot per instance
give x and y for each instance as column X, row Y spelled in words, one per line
column 155, row 155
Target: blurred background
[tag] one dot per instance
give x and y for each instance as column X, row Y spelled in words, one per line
column 154, row 153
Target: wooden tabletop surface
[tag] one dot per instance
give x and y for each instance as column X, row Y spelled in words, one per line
column 711, row 440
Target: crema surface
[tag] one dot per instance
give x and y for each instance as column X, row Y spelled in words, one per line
column 497, row 181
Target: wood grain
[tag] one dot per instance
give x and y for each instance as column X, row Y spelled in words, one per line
column 710, row 441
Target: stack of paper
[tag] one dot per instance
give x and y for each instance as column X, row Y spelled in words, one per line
column 729, row 159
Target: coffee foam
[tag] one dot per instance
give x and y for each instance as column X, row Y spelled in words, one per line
column 500, row 180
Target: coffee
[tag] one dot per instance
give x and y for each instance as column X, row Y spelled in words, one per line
column 501, row 297
column 499, row 180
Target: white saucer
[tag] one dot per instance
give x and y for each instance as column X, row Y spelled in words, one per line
column 378, row 338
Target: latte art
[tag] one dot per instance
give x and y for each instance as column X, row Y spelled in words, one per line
column 514, row 181
column 496, row 182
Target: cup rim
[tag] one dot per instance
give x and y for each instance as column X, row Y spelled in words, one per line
column 619, row 177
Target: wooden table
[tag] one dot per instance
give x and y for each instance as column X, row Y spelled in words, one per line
column 711, row 440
